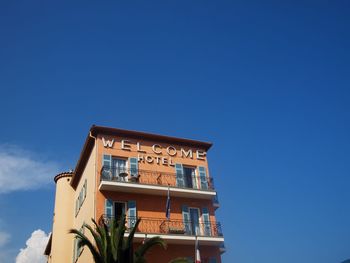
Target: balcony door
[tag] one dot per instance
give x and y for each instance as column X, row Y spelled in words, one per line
column 119, row 170
column 194, row 221
column 190, row 177
column 119, row 210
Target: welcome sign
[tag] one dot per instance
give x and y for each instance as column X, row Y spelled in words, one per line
column 159, row 154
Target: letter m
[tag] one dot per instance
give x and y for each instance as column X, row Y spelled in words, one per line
column 107, row 143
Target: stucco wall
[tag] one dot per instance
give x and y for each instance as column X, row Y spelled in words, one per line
column 62, row 221
column 87, row 209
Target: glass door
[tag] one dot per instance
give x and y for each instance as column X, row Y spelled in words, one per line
column 194, row 217
column 119, row 169
column 190, row 177
column 119, row 210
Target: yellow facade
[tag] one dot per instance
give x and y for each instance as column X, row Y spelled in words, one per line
column 132, row 172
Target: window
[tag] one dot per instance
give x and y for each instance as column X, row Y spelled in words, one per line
column 81, row 198
column 76, row 249
column 118, row 168
column 191, row 220
column 203, row 177
column 206, row 222
column 194, row 217
column 119, row 210
column 132, row 215
column 190, row 177
column 116, row 209
column 196, row 223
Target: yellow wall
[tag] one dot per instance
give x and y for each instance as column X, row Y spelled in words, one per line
column 62, row 248
column 87, row 210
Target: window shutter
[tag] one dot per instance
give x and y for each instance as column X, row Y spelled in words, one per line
column 80, row 248
column 85, row 189
column 186, row 219
column 206, row 221
column 179, row 175
column 75, row 250
column 76, row 206
column 107, row 166
column 131, row 213
column 109, row 208
column 203, row 177
column 133, row 165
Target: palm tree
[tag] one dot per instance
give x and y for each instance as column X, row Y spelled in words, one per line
column 112, row 247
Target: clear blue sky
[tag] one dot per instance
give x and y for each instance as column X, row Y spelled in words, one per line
column 268, row 83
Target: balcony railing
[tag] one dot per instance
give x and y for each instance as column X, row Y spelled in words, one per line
column 171, row 227
column 215, row 201
column 156, row 178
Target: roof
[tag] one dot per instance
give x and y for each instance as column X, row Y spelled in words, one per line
column 61, row 175
column 96, row 130
column 48, row 246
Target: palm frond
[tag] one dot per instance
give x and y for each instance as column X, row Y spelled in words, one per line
column 132, row 233
column 84, row 241
column 97, row 237
column 102, row 233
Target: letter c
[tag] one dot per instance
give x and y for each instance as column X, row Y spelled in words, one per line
column 154, row 146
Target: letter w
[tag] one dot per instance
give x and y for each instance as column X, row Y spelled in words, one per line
column 107, row 143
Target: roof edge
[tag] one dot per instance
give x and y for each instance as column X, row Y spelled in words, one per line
column 95, row 130
column 61, row 175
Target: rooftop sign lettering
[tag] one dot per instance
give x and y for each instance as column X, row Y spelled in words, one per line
column 158, row 149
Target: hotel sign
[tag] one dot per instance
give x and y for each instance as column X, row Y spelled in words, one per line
column 159, row 154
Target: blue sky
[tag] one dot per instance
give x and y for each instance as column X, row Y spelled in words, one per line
column 268, row 83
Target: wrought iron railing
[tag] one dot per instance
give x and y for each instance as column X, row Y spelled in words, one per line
column 164, row 226
column 156, row 178
column 215, row 201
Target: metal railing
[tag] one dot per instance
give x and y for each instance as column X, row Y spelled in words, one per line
column 164, row 226
column 215, row 201
column 156, row 178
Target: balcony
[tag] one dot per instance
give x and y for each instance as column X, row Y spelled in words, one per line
column 174, row 231
column 215, row 201
column 155, row 183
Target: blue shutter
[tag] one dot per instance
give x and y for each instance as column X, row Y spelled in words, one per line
column 75, row 249
column 80, row 248
column 76, row 206
column 85, row 189
column 109, row 208
column 206, row 222
column 212, row 260
column 180, row 182
column 131, row 213
column 203, row 177
column 133, row 165
column 186, row 219
column 107, row 166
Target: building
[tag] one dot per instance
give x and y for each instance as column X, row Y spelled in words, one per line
column 121, row 171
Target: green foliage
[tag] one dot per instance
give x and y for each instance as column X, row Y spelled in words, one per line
column 110, row 246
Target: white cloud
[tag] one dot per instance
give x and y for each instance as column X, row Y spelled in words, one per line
column 34, row 251
column 4, row 238
column 22, row 170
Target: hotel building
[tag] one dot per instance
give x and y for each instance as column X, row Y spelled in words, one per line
column 121, row 171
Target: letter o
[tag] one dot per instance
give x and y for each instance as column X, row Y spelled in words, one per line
column 149, row 159
column 169, row 149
